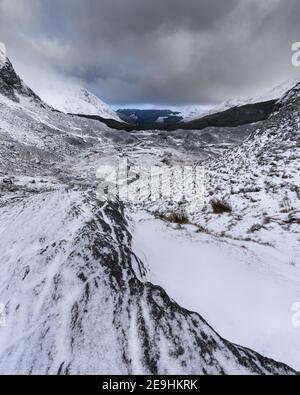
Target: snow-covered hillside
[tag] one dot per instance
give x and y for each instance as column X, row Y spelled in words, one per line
column 275, row 93
column 258, row 181
column 75, row 303
column 77, row 100
column 76, row 287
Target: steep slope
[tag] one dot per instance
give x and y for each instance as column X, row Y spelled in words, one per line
column 76, row 100
column 273, row 94
column 235, row 112
column 11, row 85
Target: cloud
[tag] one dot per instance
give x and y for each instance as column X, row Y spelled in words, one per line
column 158, row 51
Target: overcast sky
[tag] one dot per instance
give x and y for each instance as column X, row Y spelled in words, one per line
column 161, row 52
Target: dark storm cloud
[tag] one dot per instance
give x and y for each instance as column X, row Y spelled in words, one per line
column 139, row 17
column 154, row 51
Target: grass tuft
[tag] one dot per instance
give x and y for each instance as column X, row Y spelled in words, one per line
column 220, row 207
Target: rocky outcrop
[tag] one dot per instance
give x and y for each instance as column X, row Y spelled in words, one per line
column 11, row 85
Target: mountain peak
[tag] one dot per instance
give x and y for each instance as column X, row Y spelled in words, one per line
column 74, row 99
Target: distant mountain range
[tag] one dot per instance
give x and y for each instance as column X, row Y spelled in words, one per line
column 75, row 100
column 170, row 120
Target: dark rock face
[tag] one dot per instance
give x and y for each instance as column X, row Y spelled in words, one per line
column 11, row 85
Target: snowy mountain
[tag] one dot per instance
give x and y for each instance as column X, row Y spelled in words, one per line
column 194, row 111
column 231, row 113
column 273, row 94
column 80, row 294
column 76, row 100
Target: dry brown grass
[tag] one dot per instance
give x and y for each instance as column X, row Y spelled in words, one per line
column 220, row 207
column 174, row 218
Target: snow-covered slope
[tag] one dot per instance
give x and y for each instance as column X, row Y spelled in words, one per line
column 76, row 302
column 77, row 100
column 260, row 179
